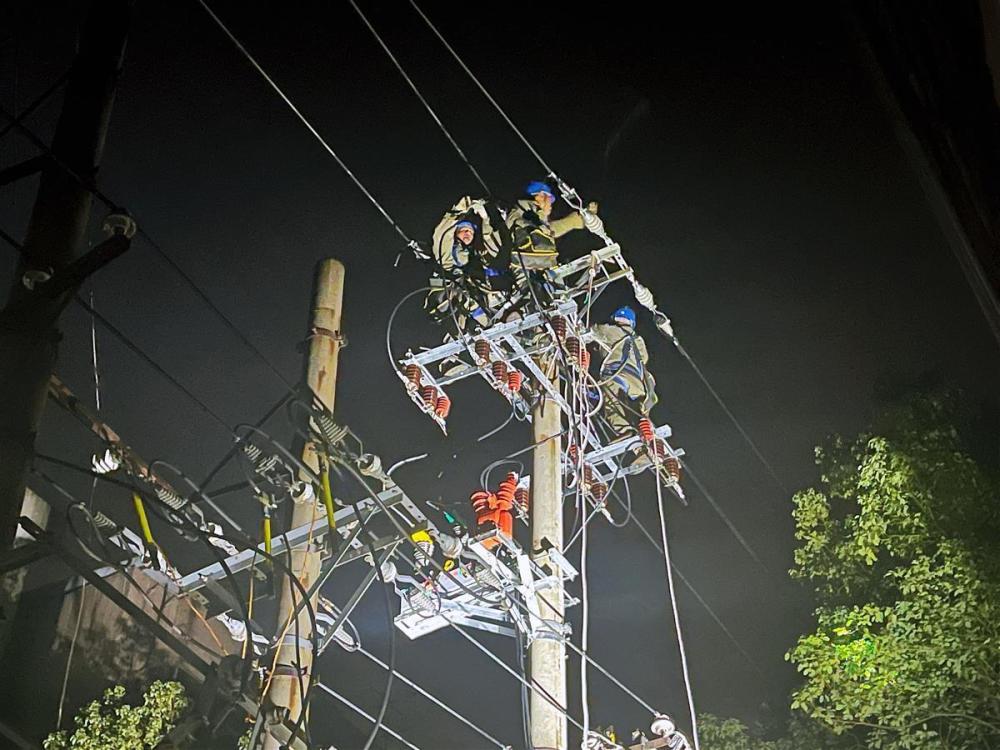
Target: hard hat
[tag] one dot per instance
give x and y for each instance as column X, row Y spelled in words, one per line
column 537, row 186
column 624, row 314
column 465, row 223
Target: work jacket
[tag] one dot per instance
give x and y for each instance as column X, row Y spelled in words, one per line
column 624, row 363
column 534, row 238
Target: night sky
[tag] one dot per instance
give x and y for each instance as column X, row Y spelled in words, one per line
column 742, row 160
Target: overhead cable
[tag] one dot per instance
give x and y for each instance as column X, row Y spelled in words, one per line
column 309, row 126
column 423, row 100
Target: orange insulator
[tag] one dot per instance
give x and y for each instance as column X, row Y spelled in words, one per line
column 573, row 347
column 500, row 371
column 514, row 380
column 491, row 512
column 430, row 394
column 442, row 406
column 506, row 492
column 584, row 358
column 482, row 348
column 521, row 499
column 413, row 375
column 559, row 326
column 646, row 431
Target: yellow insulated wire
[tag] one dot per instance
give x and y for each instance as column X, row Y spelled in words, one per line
column 267, row 534
column 328, row 499
column 140, row 511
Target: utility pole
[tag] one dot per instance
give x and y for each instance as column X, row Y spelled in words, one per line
column 548, row 656
column 29, row 331
column 285, row 695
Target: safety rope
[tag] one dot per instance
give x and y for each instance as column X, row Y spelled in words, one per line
column 673, row 600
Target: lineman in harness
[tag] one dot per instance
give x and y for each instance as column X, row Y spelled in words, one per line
column 465, row 288
column 533, row 236
column 627, row 386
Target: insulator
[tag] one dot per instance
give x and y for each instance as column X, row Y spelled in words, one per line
column 588, row 473
column 487, row 577
column 442, row 406
column 450, row 546
column 574, row 453
column 662, row 726
column 413, row 375
column 521, row 499
column 252, row 452
column 429, row 394
column 506, row 492
column 559, row 326
column 480, row 500
column 598, row 490
column 643, row 296
column 105, row 464
column 332, row 432
column 169, row 498
column 514, row 380
column 673, row 468
column 421, row 601
column 425, row 550
column 646, row 431
column 573, row 347
column 482, row 349
column 101, row 521
column 500, row 370
column 584, row 358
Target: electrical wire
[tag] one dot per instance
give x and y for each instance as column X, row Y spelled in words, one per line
column 37, row 102
column 153, row 244
column 436, row 701
column 420, row 96
column 309, row 126
column 361, row 712
column 482, row 88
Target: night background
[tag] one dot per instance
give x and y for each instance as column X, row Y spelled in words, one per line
column 745, row 160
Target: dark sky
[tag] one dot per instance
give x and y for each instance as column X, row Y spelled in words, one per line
column 756, row 187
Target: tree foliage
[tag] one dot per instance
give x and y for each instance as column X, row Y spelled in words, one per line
column 900, row 545
column 112, row 724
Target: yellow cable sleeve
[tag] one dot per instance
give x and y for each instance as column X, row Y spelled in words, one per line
column 140, row 511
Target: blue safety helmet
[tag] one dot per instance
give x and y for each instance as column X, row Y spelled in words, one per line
column 536, row 187
column 465, row 223
column 624, row 314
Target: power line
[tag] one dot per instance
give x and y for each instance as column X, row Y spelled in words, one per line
column 156, row 247
column 420, row 96
column 482, row 88
column 309, row 126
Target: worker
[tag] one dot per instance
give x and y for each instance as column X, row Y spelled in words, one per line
column 627, row 386
column 462, row 288
column 534, row 234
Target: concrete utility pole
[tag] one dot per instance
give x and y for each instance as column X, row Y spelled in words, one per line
column 29, row 322
column 325, row 343
column 548, row 657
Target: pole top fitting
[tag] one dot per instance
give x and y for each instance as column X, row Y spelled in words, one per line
column 119, row 222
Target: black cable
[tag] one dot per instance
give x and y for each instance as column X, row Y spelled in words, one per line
column 132, row 346
column 525, row 706
column 38, row 101
column 113, row 206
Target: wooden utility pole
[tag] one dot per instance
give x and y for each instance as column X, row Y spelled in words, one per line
column 29, row 331
column 285, row 695
column 548, row 656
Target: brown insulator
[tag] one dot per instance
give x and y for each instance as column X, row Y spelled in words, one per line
column 500, row 370
column 429, row 394
column 588, row 473
column 598, row 490
column 482, row 348
column 413, row 375
column 673, row 468
column 442, row 406
column 559, row 326
column 521, row 499
column 573, row 347
column 514, row 380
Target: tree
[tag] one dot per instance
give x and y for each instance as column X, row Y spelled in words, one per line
column 113, row 724
column 900, row 545
column 717, row 733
